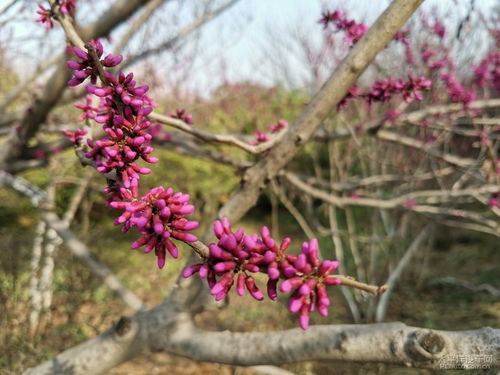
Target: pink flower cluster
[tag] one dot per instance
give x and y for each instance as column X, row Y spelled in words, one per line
column 182, row 114
column 76, row 136
column 127, row 141
column 353, row 30
column 383, row 90
column 159, row 215
column 456, row 90
column 279, row 126
column 236, row 256
column 45, row 16
column 488, row 71
column 67, row 6
column 261, row 137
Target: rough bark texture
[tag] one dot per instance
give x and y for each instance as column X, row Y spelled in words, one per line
column 393, row 343
column 384, row 342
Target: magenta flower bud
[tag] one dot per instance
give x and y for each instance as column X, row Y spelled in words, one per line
column 161, row 204
column 269, row 257
column 217, row 252
column 224, row 266
column 101, row 92
column 313, row 252
column 220, row 296
column 289, row 271
column 165, row 212
column 73, row 65
column 273, row 273
column 81, row 54
column 118, row 205
column 289, row 284
column 223, row 285
column 136, row 206
column 307, row 287
column 161, row 259
column 332, row 281
column 327, row 267
column 139, row 221
column 191, row 270
column 136, row 102
column 140, row 242
column 158, row 225
column 285, row 243
column 74, row 82
column 251, row 267
column 239, row 235
column 295, row 303
column 186, row 237
column 81, row 74
column 126, row 99
column 140, row 91
column 304, row 317
column 322, row 310
column 184, row 210
column 253, row 289
column 301, row 262
column 240, row 284
column 241, row 254
column 111, row 60
column 203, row 270
column 130, row 155
column 151, row 244
column 149, row 159
column 143, row 170
column 123, row 217
column 228, row 242
column 184, row 224
column 322, row 296
column 226, row 225
column 249, row 242
column 271, row 289
column 172, row 249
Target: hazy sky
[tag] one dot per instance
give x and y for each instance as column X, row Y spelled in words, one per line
column 249, row 38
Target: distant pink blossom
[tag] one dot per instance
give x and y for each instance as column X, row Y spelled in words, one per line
column 45, row 17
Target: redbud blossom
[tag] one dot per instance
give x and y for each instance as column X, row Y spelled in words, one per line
column 45, row 17
column 76, row 136
column 159, row 216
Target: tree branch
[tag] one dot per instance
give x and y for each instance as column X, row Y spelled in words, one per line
column 393, row 343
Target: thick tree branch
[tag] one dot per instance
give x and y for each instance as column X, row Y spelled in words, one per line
column 393, row 343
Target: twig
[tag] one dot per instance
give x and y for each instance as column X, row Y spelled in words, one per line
column 217, row 138
column 396, row 273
